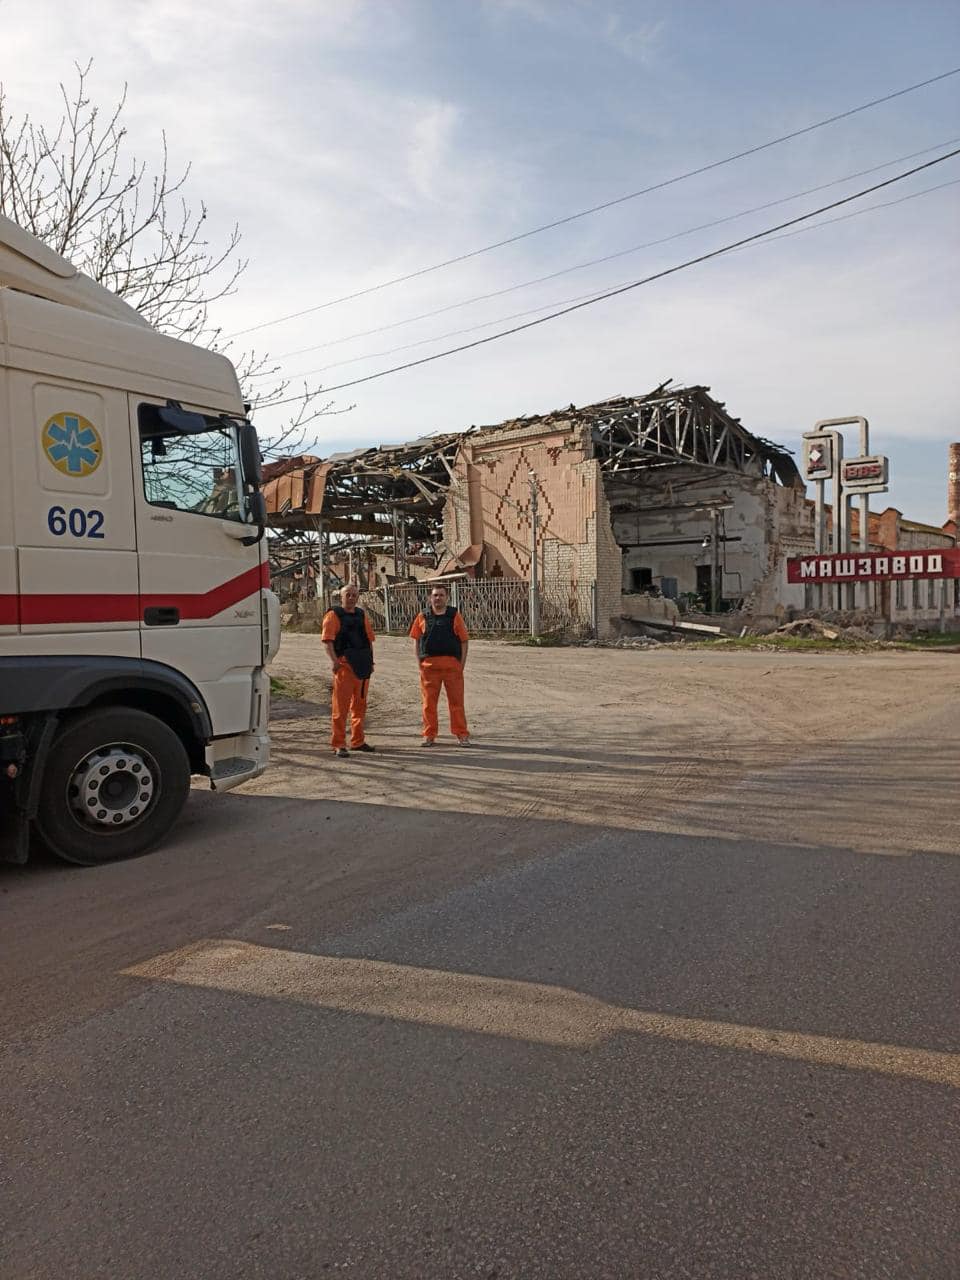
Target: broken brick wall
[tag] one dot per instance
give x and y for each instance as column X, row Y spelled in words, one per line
column 489, row 504
column 666, row 532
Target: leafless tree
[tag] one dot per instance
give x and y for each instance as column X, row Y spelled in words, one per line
column 78, row 188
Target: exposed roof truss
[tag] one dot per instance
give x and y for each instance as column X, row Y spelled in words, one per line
column 680, row 425
column 360, row 492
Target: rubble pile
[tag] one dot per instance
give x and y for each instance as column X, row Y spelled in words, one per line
column 808, row 628
column 828, row 629
column 624, row 642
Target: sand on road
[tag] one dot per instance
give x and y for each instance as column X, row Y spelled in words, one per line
column 841, row 749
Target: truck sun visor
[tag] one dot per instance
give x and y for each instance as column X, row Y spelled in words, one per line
column 188, row 424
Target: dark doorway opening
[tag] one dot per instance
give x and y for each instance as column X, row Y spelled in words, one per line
column 705, row 584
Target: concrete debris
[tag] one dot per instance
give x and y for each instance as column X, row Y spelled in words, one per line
column 624, row 642
column 694, row 628
column 808, row 627
column 830, row 629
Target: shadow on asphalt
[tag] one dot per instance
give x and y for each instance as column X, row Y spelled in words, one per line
column 276, row 1134
column 712, row 925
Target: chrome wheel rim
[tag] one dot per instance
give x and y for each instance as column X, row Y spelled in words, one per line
column 113, row 786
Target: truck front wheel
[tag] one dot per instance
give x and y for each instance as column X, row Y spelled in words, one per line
column 114, row 783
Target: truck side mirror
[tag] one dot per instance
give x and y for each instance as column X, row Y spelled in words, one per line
column 257, row 508
column 256, row 505
column 250, row 459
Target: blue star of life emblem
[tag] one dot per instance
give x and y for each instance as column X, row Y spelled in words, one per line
column 72, row 444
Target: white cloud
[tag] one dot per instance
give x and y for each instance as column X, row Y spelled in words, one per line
column 431, row 150
column 639, row 42
column 347, row 141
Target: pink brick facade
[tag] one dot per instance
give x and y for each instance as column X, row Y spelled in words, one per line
column 489, row 507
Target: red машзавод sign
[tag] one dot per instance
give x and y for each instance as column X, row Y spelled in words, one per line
column 875, row 566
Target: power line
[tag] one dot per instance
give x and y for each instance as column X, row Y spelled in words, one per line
column 451, row 333
column 594, row 262
column 597, row 293
column 598, row 208
column 636, row 284
column 886, row 204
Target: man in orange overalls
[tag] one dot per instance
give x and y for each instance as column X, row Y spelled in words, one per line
column 348, row 639
column 440, row 643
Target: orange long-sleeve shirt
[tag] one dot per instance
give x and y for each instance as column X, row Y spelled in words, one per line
column 419, row 626
column 330, row 628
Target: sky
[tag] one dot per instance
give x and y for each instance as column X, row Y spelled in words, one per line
column 355, row 141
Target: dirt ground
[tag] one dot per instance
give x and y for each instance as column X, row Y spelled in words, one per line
column 859, row 750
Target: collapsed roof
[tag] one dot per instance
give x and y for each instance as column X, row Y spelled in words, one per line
column 349, row 491
column 367, row 491
column 674, row 426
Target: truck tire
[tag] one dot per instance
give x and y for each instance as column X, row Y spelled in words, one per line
column 114, row 783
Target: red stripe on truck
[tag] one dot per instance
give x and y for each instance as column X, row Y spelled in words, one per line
column 47, row 610
column 51, row 610
column 210, row 603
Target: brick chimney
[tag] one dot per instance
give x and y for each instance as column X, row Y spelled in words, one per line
column 953, row 483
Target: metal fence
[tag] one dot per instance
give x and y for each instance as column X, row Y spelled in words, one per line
column 492, row 606
column 571, row 612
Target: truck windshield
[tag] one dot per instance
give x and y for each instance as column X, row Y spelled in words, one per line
column 195, row 471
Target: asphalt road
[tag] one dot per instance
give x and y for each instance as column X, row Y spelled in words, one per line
column 314, row 1037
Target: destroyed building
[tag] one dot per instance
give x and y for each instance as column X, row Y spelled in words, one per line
column 644, row 506
column 657, row 496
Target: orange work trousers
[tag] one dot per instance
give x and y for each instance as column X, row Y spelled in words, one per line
column 445, row 672
column 349, row 696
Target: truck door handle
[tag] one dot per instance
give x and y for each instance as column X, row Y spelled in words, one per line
column 161, row 616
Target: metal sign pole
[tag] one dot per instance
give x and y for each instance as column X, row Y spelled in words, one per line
column 865, row 512
column 820, row 452
column 863, row 475
column 820, row 531
column 534, row 583
column 841, row 511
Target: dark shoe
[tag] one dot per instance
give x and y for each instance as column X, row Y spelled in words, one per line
column 364, row 746
column 341, row 753
column 428, row 742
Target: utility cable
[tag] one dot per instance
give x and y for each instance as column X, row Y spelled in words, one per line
column 636, row 284
column 594, row 262
column 886, row 204
column 516, row 315
column 607, row 204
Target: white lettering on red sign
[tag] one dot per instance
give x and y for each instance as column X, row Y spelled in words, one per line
column 869, row 566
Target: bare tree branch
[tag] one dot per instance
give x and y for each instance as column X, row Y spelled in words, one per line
column 130, row 228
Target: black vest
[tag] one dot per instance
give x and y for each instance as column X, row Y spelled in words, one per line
column 352, row 643
column 439, row 640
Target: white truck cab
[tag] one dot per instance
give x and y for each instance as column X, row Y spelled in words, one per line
column 135, row 612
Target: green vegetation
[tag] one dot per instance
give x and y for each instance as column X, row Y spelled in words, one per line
column 548, row 640
column 924, row 642
column 284, row 687
column 930, row 640
column 774, row 641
